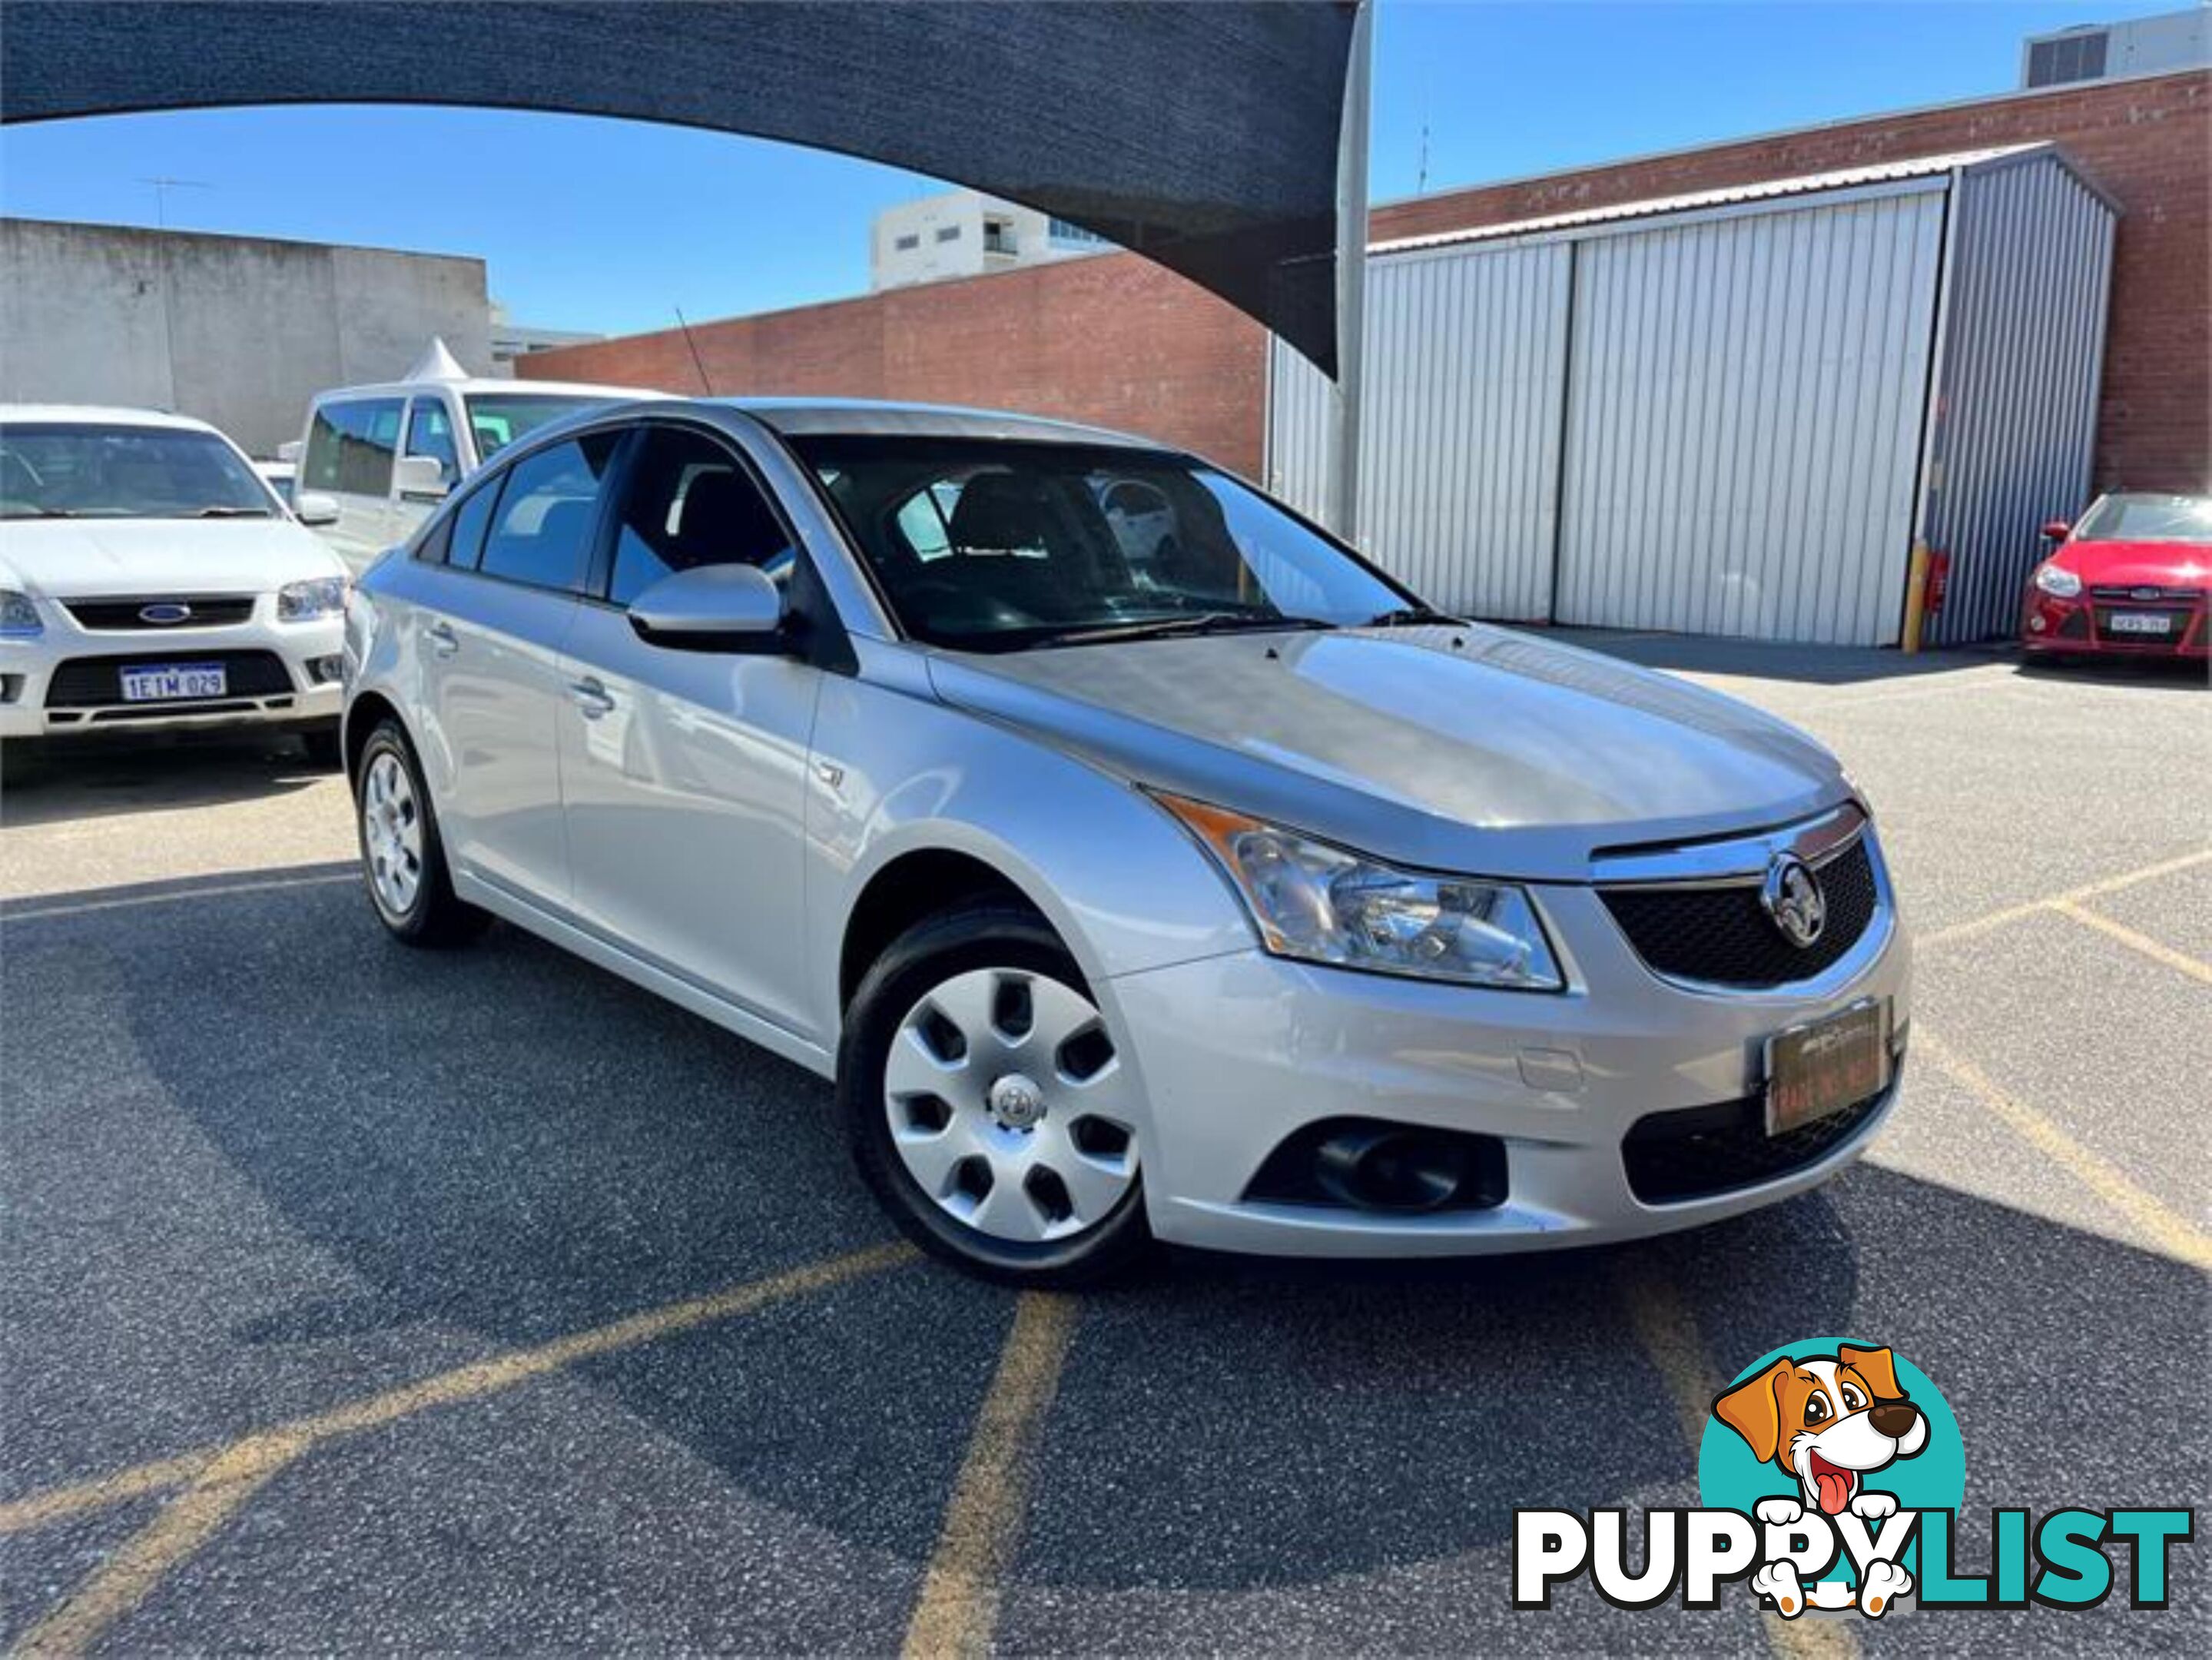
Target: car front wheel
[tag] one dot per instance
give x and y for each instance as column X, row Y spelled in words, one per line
column 987, row 1105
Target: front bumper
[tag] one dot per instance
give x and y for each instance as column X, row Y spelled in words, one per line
column 64, row 680
column 1238, row 1053
column 2092, row 624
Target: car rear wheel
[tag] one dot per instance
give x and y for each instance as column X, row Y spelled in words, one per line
column 987, row 1105
column 400, row 852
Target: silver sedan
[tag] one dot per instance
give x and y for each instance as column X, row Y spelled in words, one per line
column 1227, row 896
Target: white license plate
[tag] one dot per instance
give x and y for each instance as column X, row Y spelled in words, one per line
column 162, row 683
column 2141, row 622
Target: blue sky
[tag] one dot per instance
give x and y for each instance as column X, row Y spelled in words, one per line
column 609, row 226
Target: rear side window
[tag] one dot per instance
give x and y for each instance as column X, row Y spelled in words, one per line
column 462, row 542
column 548, row 509
column 350, row 446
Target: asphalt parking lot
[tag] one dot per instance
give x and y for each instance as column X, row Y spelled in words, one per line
column 360, row 1299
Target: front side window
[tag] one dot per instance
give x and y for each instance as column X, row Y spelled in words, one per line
column 350, row 447
column 95, row 471
column 992, row 546
column 690, row 502
column 430, row 432
column 2148, row 519
column 541, row 532
column 496, row 419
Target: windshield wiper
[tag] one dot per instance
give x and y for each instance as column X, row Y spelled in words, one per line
column 1406, row 616
column 40, row 513
column 232, row 513
column 1163, row 628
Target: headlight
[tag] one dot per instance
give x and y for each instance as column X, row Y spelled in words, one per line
column 2058, row 581
column 18, row 616
column 1321, row 903
column 325, row 596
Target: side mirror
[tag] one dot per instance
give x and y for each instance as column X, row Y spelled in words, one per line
column 313, row 507
column 422, row 477
column 2057, row 531
column 728, row 608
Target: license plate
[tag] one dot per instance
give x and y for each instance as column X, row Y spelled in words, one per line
column 161, row 682
column 1825, row 1066
column 2139, row 621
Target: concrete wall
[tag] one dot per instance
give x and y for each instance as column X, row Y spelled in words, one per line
column 1116, row 340
column 238, row 331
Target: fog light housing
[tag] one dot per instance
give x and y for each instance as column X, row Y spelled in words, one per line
column 2036, row 624
column 325, row 670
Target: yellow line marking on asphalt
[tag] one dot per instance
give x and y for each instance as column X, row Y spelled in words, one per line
column 83, row 907
column 1997, row 919
column 463, row 1383
column 121, row 1583
column 1668, row 1329
column 2143, row 943
column 958, row 1609
column 2174, row 1234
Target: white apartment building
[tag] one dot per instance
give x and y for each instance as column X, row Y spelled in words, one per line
column 964, row 233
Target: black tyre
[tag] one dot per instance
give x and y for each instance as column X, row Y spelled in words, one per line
column 323, row 748
column 401, row 854
column 986, row 1105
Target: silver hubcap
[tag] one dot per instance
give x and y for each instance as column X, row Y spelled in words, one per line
column 392, row 832
column 1009, row 1107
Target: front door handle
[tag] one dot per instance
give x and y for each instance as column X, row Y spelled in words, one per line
column 443, row 640
column 592, row 697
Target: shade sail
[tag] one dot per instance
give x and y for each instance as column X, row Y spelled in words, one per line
column 1203, row 136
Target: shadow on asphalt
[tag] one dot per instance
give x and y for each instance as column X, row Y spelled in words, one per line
column 506, row 1140
column 2146, row 674
column 61, row 780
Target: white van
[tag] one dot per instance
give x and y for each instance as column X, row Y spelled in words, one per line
column 376, row 460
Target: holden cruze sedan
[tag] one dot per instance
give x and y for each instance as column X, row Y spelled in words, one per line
column 1228, row 897
column 2132, row 579
column 150, row 580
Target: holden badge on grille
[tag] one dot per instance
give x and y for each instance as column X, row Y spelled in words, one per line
column 1791, row 897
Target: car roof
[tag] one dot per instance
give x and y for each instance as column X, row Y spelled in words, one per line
column 473, row 386
column 77, row 415
column 795, row 417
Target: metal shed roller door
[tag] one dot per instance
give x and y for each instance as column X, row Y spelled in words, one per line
column 1459, row 445
column 1744, row 422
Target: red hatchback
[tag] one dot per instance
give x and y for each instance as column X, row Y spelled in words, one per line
column 2131, row 579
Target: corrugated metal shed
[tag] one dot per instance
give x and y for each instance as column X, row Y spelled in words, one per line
column 1731, row 412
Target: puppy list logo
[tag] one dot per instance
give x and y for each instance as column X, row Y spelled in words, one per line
column 1831, row 1474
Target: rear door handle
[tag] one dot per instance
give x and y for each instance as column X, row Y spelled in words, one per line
column 592, row 697
column 443, row 640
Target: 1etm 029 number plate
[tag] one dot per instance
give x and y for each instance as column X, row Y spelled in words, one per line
column 1825, row 1066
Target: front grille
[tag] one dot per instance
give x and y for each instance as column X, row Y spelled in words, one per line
column 207, row 611
column 1697, row 1153
column 96, row 681
column 2148, row 594
column 1723, row 936
column 2074, row 625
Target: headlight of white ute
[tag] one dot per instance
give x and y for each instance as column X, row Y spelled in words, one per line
column 1319, row 903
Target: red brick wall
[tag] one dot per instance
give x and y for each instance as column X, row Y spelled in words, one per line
column 1114, row 340
column 1123, row 343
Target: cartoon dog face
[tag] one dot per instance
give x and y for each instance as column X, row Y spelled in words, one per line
column 1827, row 1420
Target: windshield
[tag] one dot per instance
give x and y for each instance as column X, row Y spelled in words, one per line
column 2148, row 519
column 125, row 472
column 498, row 418
column 994, row 545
